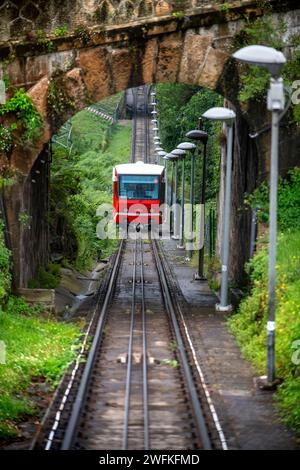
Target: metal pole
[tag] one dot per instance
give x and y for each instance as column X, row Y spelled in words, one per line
column 181, row 241
column 272, row 249
column 175, row 228
column 171, row 202
column 223, row 306
column 200, row 275
column 166, row 177
column 190, row 252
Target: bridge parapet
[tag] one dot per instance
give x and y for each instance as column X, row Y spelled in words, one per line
column 31, row 18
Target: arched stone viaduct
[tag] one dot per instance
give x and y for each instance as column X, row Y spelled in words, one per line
column 107, row 47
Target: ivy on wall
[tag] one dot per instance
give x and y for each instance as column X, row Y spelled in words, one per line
column 26, row 121
column 255, row 80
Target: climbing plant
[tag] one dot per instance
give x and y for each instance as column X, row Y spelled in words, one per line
column 58, row 102
column 27, row 120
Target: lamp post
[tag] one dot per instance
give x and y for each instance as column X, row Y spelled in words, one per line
column 227, row 116
column 201, row 136
column 273, row 61
column 166, row 158
column 175, row 159
column 189, row 146
column 181, row 153
column 155, row 130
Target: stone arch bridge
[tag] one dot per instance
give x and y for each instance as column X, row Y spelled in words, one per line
column 92, row 49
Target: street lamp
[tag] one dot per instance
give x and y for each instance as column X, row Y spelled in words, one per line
column 166, row 159
column 189, row 146
column 181, row 153
column 175, row 159
column 201, row 136
column 227, row 116
column 161, row 153
column 273, row 61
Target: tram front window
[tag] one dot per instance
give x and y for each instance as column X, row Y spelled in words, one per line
column 138, row 187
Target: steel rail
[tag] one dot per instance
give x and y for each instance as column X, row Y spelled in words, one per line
column 196, row 405
column 134, row 122
column 145, row 369
column 82, row 391
column 129, row 355
column 146, row 124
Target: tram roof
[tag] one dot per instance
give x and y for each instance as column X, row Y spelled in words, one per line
column 139, row 168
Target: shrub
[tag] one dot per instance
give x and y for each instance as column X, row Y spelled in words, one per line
column 249, row 323
column 288, row 200
column 46, row 278
column 21, row 105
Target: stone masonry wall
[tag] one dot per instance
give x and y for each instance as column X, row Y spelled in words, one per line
column 19, row 18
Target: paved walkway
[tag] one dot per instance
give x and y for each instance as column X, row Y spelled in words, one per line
column 247, row 415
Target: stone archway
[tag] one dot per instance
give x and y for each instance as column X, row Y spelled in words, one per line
column 92, row 64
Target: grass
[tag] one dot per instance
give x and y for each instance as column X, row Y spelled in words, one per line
column 36, row 347
column 249, row 323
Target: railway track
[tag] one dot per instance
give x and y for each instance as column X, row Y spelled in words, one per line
column 140, row 127
column 137, row 386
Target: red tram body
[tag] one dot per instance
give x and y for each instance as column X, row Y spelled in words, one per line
column 138, row 192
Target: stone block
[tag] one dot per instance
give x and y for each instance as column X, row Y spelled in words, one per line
column 44, row 297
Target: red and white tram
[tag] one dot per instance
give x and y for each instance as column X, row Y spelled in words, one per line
column 138, row 192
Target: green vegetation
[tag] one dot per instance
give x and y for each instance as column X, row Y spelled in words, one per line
column 82, row 33
column 58, row 102
column 43, row 41
column 61, row 31
column 82, row 180
column 249, row 323
column 180, row 107
column 21, row 107
column 6, row 138
column 267, row 32
column 37, row 349
column 288, row 201
column 5, row 277
column 46, row 278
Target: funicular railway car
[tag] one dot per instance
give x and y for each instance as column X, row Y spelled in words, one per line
column 138, row 192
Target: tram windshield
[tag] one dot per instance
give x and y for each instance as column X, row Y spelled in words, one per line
column 138, row 187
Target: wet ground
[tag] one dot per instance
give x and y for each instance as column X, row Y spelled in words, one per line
column 246, row 413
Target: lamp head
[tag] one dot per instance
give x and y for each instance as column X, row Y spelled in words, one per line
column 196, row 134
column 178, row 152
column 220, row 114
column 262, row 56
